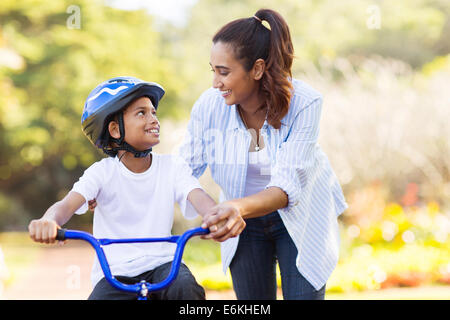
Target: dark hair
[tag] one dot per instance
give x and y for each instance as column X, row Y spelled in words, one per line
column 105, row 141
column 251, row 40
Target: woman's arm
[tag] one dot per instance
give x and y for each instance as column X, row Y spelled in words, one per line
column 230, row 215
column 261, row 203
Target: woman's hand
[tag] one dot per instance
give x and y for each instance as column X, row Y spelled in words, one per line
column 224, row 221
column 92, row 204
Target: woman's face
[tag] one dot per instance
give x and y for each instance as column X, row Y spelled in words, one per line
column 236, row 84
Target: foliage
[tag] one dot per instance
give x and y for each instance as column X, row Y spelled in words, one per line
column 413, row 33
column 385, row 124
column 401, row 247
column 47, row 69
column 377, row 267
column 371, row 259
column 43, row 89
column 386, row 244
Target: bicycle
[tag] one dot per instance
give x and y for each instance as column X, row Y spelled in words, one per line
column 143, row 288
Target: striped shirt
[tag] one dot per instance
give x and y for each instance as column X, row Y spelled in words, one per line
column 218, row 138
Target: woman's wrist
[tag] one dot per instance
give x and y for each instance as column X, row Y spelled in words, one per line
column 246, row 207
column 260, row 204
column 238, row 205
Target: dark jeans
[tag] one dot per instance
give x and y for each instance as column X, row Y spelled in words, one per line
column 253, row 268
column 184, row 287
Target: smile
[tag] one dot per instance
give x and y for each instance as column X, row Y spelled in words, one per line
column 153, row 131
column 225, row 93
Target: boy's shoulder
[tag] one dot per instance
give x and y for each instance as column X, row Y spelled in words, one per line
column 101, row 166
column 105, row 162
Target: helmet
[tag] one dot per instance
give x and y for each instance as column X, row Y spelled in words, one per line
column 109, row 98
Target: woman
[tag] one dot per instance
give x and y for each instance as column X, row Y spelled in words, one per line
column 257, row 130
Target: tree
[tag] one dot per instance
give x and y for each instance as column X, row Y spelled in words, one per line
column 62, row 58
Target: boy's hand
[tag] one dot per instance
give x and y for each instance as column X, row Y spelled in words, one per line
column 43, row 230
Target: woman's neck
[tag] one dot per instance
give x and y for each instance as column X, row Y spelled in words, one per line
column 252, row 105
column 136, row 165
column 253, row 119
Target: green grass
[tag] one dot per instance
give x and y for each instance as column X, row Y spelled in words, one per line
column 201, row 252
column 203, row 259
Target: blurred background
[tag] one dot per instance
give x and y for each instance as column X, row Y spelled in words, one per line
column 382, row 66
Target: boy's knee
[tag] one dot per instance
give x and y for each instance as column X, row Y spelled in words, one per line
column 185, row 287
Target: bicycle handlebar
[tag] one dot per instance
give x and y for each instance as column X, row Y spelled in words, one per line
column 143, row 287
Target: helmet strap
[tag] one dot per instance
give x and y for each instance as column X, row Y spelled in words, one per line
column 122, row 145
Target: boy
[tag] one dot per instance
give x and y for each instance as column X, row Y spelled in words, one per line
column 135, row 191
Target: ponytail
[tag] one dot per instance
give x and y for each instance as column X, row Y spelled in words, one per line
column 252, row 40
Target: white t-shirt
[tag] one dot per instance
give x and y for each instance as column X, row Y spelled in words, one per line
column 136, row 205
column 258, row 172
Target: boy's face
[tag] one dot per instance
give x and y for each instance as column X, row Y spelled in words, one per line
column 141, row 125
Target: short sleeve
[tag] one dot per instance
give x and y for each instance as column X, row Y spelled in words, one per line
column 295, row 156
column 184, row 183
column 88, row 185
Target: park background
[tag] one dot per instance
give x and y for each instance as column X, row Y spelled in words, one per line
column 383, row 68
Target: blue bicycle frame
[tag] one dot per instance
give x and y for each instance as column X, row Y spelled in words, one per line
column 143, row 288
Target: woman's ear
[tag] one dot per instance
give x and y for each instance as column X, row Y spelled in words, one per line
column 113, row 128
column 258, row 69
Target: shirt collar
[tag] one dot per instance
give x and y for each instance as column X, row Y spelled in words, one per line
column 236, row 121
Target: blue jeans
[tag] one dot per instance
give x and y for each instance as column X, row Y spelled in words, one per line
column 253, row 268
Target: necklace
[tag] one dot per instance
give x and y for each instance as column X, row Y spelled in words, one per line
column 245, row 123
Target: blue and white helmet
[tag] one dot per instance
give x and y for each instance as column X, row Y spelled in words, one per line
column 110, row 97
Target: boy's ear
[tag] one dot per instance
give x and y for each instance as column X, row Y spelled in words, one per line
column 113, row 128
